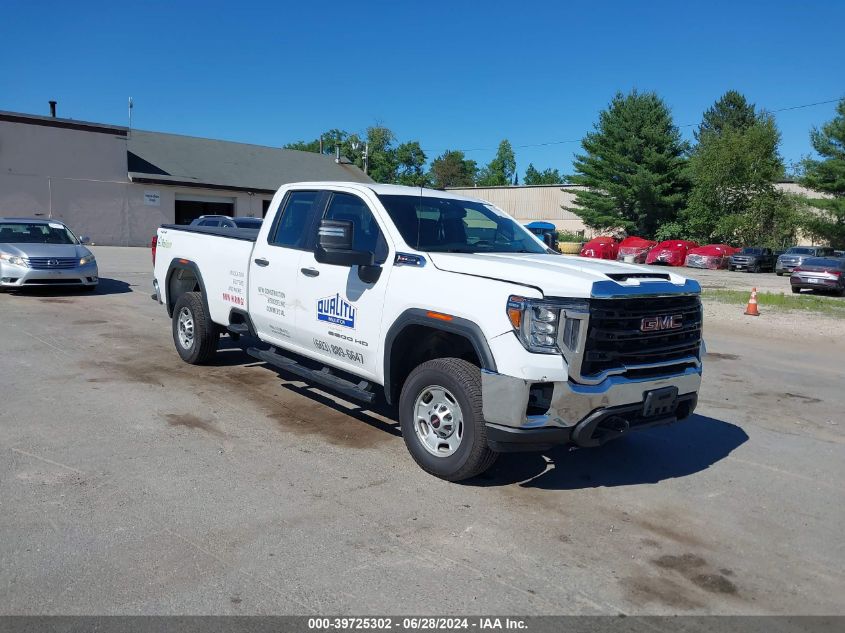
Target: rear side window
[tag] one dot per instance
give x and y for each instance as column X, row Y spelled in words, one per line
column 291, row 225
column 366, row 235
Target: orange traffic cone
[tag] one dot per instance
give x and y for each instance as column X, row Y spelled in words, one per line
column 751, row 310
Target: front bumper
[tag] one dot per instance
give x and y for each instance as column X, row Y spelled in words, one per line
column 587, row 415
column 24, row 277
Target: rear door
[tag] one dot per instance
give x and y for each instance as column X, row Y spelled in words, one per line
column 274, row 269
column 341, row 316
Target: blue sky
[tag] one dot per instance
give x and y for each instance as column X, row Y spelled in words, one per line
column 459, row 75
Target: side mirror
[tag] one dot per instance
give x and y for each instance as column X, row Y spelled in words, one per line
column 84, row 240
column 334, row 245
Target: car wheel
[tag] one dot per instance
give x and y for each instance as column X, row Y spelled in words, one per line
column 755, row 268
column 779, row 274
column 194, row 333
column 795, row 290
column 442, row 422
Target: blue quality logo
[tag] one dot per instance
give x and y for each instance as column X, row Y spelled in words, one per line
column 336, row 311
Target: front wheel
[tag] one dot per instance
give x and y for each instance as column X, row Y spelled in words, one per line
column 795, row 290
column 442, row 422
column 194, row 333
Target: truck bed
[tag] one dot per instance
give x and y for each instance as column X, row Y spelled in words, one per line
column 250, row 235
column 219, row 257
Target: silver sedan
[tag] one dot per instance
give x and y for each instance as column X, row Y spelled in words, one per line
column 38, row 253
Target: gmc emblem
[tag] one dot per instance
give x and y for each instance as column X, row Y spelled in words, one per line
column 657, row 323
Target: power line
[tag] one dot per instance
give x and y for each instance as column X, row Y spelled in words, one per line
column 578, row 140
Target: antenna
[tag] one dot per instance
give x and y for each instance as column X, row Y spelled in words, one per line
column 130, row 113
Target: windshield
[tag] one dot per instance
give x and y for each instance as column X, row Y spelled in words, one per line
column 801, row 251
column 247, row 223
column 751, row 251
column 35, row 233
column 446, row 225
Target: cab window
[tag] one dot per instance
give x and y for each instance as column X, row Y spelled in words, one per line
column 366, row 235
column 291, row 224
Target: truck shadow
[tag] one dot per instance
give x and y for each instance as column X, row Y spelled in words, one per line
column 643, row 457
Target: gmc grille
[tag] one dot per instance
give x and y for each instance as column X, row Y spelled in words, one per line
column 615, row 340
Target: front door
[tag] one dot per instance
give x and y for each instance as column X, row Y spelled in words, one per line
column 274, row 271
column 340, row 316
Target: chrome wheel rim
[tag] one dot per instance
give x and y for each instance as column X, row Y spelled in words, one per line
column 185, row 328
column 438, row 421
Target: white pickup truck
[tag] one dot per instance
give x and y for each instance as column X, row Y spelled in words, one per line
column 483, row 338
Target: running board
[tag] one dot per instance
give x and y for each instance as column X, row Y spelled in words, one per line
column 324, row 376
column 238, row 328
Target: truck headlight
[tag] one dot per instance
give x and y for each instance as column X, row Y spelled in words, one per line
column 544, row 326
column 86, row 260
column 14, row 260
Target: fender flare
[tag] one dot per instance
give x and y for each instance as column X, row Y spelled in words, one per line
column 457, row 325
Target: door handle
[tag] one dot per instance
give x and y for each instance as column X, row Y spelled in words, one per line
column 261, row 261
column 309, row 272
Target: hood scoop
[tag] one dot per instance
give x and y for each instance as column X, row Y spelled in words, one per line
column 627, row 276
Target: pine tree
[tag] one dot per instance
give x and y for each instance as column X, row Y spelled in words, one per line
column 633, row 166
column 546, row 177
column 828, row 176
column 501, row 170
column 732, row 110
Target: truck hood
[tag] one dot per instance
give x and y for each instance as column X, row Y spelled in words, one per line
column 563, row 276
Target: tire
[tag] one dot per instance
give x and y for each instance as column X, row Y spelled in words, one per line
column 756, row 269
column 440, row 379
column 779, row 274
column 197, row 342
column 795, row 290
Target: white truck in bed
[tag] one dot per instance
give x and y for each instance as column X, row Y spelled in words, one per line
column 483, row 338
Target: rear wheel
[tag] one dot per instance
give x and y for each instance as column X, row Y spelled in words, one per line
column 442, row 422
column 194, row 334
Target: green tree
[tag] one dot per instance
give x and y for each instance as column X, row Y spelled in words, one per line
column 453, row 169
column 501, row 170
column 381, row 163
column 546, row 177
column 410, row 159
column 633, row 165
column 734, row 169
column 732, row 110
column 828, row 176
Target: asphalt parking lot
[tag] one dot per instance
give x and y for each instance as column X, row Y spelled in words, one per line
column 133, row 483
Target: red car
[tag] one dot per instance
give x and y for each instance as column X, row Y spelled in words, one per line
column 670, row 253
column 712, row 256
column 634, row 250
column 601, row 248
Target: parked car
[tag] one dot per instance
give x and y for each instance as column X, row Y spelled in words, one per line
column 546, row 231
column 796, row 255
column 670, row 253
column 447, row 308
column 820, row 273
column 634, row 250
column 225, row 221
column 35, row 252
column 712, row 256
column 601, row 248
column 753, row 259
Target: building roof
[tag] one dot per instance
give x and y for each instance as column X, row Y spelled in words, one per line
column 174, row 159
column 201, row 162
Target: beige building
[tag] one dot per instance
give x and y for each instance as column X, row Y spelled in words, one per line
column 528, row 203
column 547, row 203
column 118, row 185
